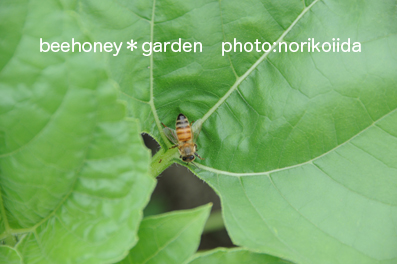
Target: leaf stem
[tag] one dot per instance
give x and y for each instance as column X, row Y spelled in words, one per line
column 162, row 160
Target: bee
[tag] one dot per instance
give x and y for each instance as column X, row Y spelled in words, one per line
column 184, row 137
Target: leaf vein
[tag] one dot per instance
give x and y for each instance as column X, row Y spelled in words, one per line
column 309, row 221
column 268, row 226
column 238, row 174
column 255, row 65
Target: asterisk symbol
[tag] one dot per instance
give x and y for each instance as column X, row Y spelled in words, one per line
column 131, row 45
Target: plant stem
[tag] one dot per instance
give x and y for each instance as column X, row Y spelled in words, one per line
column 162, row 160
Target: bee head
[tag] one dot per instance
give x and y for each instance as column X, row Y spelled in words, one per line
column 189, row 158
column 181, row 117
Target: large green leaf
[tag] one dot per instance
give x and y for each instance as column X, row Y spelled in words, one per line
column 169, row 238
column 301, row 147
column 73, row 170
column 234, row 256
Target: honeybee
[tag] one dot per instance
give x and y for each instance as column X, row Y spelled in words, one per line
column 184, row 137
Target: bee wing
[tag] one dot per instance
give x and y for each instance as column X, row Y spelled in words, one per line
column 171, row 135
column 196, row 127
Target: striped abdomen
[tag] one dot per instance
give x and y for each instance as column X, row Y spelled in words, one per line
column 183, row 129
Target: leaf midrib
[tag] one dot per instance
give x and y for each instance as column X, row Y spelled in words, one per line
column 238, row 174
column 174, row 238
column 151, row 102
column 255, row 65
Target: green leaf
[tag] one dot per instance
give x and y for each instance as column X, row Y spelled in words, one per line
column 344, row 199
column 9, row 255
column 169, row 238
column 235, row 256
column 300, row 146
column 73, row 170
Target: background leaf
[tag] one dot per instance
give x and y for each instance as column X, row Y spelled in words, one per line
column 169, row 238
column 235, row 256
column 74, row 171
column 301, row 147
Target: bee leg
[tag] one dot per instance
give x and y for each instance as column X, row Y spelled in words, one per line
column 195, row 145
column 174, row 146
column 197, row 155
column 194, row 165
column 163, row 124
